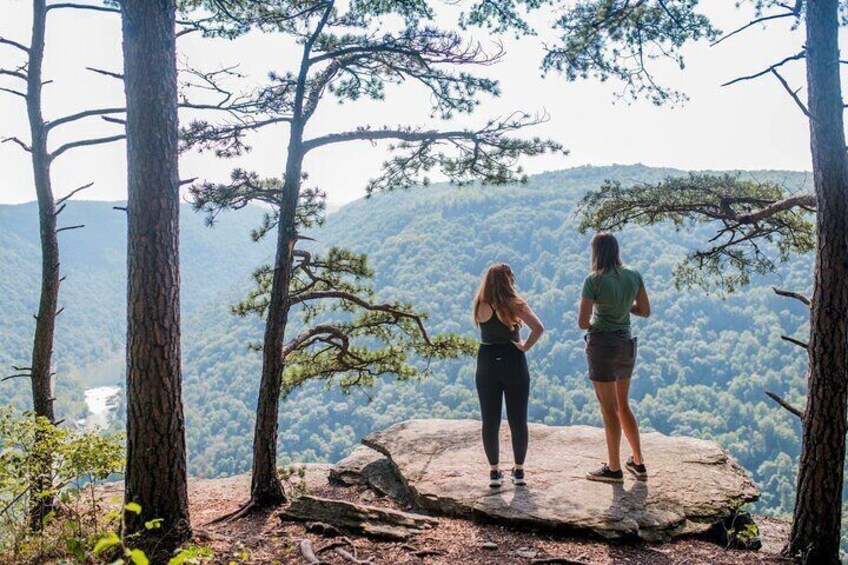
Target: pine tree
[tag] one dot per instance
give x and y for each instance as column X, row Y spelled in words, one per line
column 345, row 55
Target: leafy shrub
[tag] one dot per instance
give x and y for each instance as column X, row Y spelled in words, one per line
column 78, row 462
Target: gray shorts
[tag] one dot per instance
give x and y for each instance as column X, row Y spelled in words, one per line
column 611, row 356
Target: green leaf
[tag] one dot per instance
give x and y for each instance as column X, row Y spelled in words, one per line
column 110, row 540
column 178, row 559
column 153, row 524
column 138, row 557
column 75, row 548
column 133, row 507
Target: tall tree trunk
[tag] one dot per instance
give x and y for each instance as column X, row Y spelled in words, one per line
column 816, row 526
column 41, row 374
column 265, row 489
column 156, row 452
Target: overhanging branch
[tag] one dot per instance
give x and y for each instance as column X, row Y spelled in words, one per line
column 15, row 74
column 806, row 201
column 72, row 193
column 386, row 134
column 16, row 376
column 794, row 341
column 792, row 93
column 794, row 12
column 15, row 44
column 19, row 143
column 785, row 405
column 350, row 297
column 106, row 73
column 73, row 6
column 796, row 57
column 85, row 143
column 791, row 294
column 13, row 91
column 84, row 114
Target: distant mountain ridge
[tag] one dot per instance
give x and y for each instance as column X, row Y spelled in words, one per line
column 91, row 330
column 704, row 362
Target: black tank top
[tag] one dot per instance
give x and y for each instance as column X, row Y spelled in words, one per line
column 493, row 331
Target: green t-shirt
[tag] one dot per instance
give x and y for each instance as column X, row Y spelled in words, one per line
column 613, row 293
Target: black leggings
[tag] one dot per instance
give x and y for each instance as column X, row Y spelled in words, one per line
column 502, row 372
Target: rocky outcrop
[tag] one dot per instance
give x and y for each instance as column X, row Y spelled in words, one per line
column 693, row 484
column 364, row 466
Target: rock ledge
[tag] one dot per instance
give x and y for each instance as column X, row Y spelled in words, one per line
column 694, row 484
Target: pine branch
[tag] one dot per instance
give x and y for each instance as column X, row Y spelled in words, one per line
column 73, row 6
column 103, row 72
column 791, row 294
column 796, row 57
column 15, row 74
column 792, row 13
column 387, row 308
column 387, row 134
column 16, row 376
column 113, row 120
column 310, row 333
column 792, row 93
column 19, row 143
column 84, row 143
column 85, row 114
column 68, row 196
column 15, row 44
column 746, row 213
column 794, row 341
column 785, row 405
column 13, row 91
column 806, row 201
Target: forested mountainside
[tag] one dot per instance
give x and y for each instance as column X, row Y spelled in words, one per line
column 91, row 329
column 704, row 360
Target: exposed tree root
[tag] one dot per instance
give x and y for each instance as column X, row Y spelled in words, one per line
column 353, row 559
column 308, row 552
column 244, row 510
column 555, row 561
column 422, row 552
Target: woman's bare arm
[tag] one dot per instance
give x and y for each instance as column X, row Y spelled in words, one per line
column 584, row 317
column 534, row 323
column 641, row 305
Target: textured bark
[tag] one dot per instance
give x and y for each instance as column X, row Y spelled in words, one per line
column 266, row 489
column 816, row 525
column 156, row 453
column 41, row 375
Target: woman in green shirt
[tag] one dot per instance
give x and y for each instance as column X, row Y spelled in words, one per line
column 612, row 292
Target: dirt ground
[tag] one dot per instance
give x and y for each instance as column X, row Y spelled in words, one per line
column 264, row 538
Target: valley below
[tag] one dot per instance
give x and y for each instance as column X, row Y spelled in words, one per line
column 705, row 361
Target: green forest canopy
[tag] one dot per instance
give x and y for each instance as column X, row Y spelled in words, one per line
column 704, row 361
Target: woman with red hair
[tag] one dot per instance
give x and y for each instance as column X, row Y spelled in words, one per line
column 502, row 371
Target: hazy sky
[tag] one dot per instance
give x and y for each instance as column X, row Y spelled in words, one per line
column 753, row 125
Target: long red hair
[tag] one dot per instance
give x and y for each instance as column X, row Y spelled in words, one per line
column 497, row 289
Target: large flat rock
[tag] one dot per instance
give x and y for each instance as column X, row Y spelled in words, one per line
column 693, row 483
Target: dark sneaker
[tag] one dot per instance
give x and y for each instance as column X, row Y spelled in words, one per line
column 606, row 475
column 638, row 471
column 495, row 479
column 518, row 477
